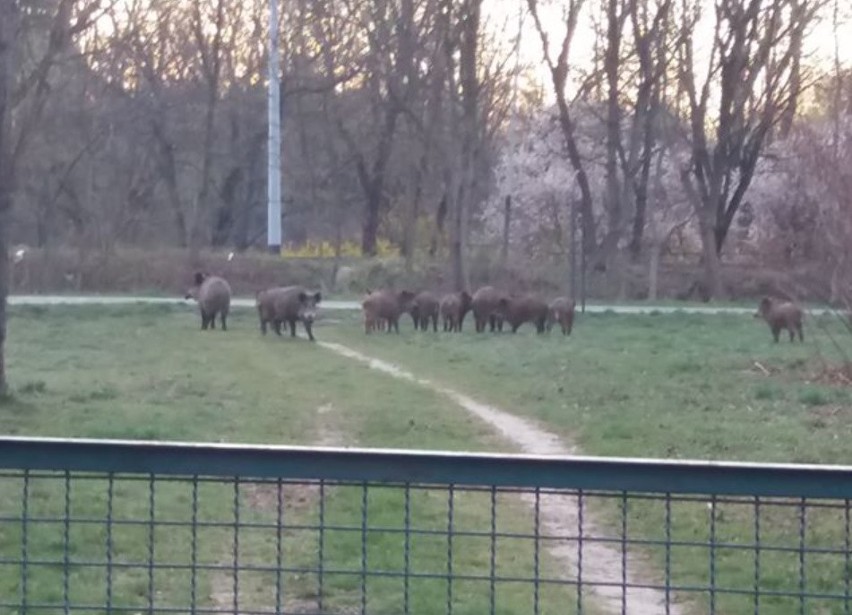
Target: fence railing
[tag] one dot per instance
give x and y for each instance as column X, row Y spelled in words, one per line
column 138, row 527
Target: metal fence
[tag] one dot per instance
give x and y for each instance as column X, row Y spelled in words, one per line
column 132, row 527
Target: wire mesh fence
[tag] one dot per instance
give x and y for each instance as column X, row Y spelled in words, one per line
column 94, row 526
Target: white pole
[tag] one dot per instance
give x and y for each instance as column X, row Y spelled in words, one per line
column 273, row 188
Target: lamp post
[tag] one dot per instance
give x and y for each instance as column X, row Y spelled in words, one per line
column 273, row 154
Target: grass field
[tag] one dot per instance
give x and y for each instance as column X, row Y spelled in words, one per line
column 679, row 386
column 147, row 373
column 673, row 386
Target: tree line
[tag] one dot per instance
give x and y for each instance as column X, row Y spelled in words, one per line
column 142, row 122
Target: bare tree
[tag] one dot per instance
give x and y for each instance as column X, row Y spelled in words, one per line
column 24, row 90
column 651, row 23
column 9, row 16
column 558, row 68
column 462, row 182
column 752, row 68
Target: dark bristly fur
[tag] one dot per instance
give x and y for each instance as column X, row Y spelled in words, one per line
column 385, row 307
column 454, row 307
column 781, row 315
column 561, row 310
column 486, row 306
column 288, row 304
column 529, row 308
column 424, row 309
column 214, row 297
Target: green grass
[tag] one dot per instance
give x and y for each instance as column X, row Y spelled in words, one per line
column 678, row 386
column 673, row 386
column 142, row 372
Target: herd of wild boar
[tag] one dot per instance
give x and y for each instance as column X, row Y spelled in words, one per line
column 491, row 308
column 382, row 309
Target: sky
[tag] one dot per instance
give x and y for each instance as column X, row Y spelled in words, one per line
column 818, row 44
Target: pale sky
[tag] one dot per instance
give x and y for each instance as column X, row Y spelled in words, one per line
column 819, row 42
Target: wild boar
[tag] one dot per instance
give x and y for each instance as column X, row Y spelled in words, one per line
column 287, row 304
column 424, row 308
column 454, row 307
column 385, row 305
column 213, row 295
column 781, row 315
column 561, row 310
column 528, row 308
column 487, row 308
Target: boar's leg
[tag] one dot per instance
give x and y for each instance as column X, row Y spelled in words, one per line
column 309, row 330
column 223, row 317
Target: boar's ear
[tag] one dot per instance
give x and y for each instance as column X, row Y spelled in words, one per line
column 303, row 297
column 199, row 277
column 317, row 297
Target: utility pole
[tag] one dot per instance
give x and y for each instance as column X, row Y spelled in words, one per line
column 273, row 153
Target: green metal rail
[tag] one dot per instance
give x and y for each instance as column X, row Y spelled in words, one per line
column 91, row 526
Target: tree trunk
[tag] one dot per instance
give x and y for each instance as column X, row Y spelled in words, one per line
column 9, row 14
column 654, row 269
column 410, row 238
column 370, row 227
column 168, row 167
column 507, row 220
column 789, row 114
column 438, row 230
column 338, row 244
column 608, row 254
column 412, row 216
column 457, row 248
column 711, row 261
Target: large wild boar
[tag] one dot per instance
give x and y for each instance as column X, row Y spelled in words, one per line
column 213, row 295
column 424, row 308
column 528, row 308
column 454, row 307
column 387, row 306
column 561, row 310
column 287, row 304
column 781, row 315
column 488, row 309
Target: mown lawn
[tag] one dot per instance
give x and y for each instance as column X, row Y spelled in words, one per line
column 674, row 386
column 679, row 386
column 149, row 373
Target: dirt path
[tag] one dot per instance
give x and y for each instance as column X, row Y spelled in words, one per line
column 602, row 563
column 260, row 496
